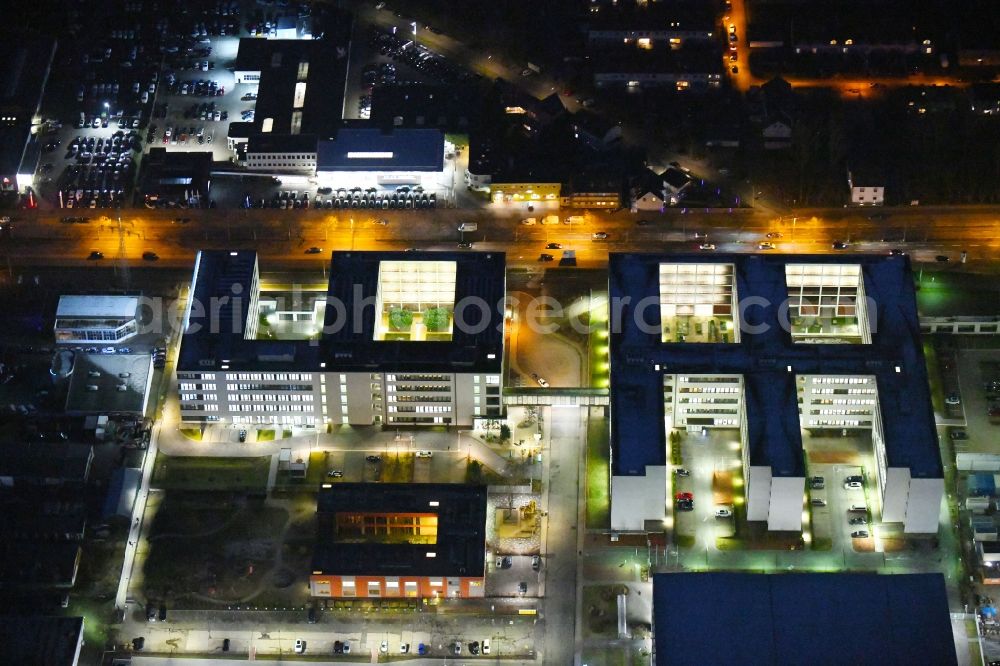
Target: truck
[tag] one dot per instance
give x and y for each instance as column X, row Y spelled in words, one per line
column 574, row 219
column 468, row 226
column 550, row 219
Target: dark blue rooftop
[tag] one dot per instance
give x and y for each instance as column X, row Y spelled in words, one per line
column 639, row 359
column 376, row 150
column 735, row 618
column 223, row 291
column 476, row 347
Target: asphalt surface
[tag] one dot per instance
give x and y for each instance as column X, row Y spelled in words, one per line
column 283, row 238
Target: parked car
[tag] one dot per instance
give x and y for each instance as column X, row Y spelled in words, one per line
column 816, row 501
column 373, row 459
column 300, row 646
column 723, row 512
column 536, row 562
column 953, row 399
column 859, row 534
column 424, row 454
column 956, row 435
column 817, row 483
column 765, row 245
column 681, row 471
column 853, row 485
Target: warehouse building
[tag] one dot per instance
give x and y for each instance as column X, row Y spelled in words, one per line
column 400, row 540
column 26, row 62
column 769, row 347
column 36, row 639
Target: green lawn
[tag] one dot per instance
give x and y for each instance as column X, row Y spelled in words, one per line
column 265, row 435
column 397, row 468
column 934, row 377
column 316, row 472
column 212, row 544
column 598, row 465
column 477, row 474
column 204, row 473
column 192, row 433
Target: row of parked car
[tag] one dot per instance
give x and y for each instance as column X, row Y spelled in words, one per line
column 407, row 51
column 199, row 88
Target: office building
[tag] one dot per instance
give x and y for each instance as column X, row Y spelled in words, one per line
column 96, row 319
column 407, row 338
column 400, row 540
column 768, row 347
column 25, row 62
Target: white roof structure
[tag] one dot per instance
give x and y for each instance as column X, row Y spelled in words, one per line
column 99, row 307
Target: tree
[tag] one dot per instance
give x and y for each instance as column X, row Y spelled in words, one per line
column 436, row 319
column 504, row 431
column 400, row 319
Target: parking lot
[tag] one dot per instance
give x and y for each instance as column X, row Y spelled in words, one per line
column 139, row 79
column 713, row 467
column 513, row 575
column 199, row 98
column 386, row 59
column 839, row 509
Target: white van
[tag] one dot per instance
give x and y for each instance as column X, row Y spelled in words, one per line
column 468, row 226
column 550, row 219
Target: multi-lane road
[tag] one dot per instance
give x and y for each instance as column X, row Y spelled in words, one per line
column 284, row 238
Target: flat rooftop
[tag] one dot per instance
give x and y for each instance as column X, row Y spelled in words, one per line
column 109, row 383
column 476, row 338
column 768, row 346
column 97, row 307
column 469, row 309
column 402, row 149
column 400, row 529
column 728, row 618
column 685, row 15
column 25, row 58
column 301, row 87
column 36, row 639
column 60, row 461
